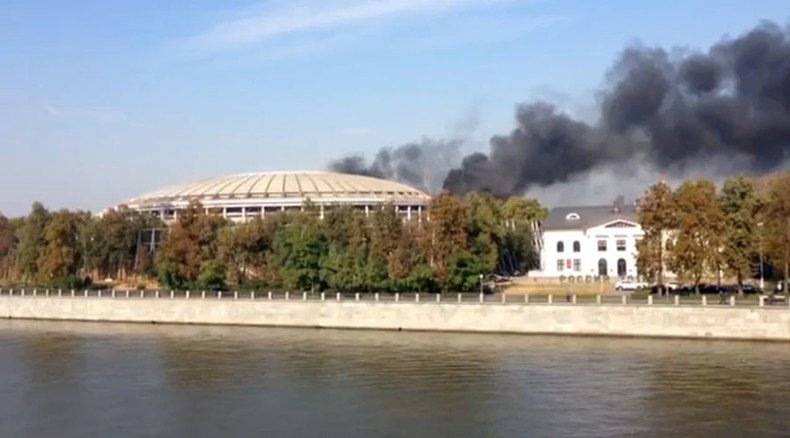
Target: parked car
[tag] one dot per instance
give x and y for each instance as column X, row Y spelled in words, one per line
column 630, row 285
column 780, row 287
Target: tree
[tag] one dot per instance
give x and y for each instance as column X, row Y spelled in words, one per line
column 448, row 223
column 698, row 246
column 32, row 241
column 7, row 246
column 191, row 241
column 60, row 257
column 740, row 205
column 777, row 220
column 299, row 250
column 657, row 215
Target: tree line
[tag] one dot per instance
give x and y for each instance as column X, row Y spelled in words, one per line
column 698, row 230
column 344, row 251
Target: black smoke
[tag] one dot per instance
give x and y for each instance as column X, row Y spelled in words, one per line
column 667, row 110
column 422, row 164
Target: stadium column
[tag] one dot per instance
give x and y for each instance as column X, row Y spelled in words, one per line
column 367, row 210
column 408, row 212
column 321, row 211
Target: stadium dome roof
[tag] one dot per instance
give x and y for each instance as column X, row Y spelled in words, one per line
column 264, row 187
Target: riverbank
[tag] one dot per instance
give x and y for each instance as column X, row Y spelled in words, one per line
column 654, row 320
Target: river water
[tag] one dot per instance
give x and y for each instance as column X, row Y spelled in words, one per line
column 124, row 380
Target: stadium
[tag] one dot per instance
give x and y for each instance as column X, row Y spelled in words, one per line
column 248, row 195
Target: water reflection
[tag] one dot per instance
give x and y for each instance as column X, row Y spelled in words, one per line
column 140, row 380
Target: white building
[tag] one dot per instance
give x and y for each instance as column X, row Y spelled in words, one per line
column 590, row 242
column 243, row 196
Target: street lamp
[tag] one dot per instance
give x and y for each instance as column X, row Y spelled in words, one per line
column 762, row 277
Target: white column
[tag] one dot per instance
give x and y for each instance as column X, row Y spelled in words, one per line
column 408, row 212
column 321, row 211
column 367, row 210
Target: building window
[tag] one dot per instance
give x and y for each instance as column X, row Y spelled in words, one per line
column 577, row 265
column 601, row 246
column 577, row 247
column 602, row 268
column 621, row 244
column 560, row 247
column 560, row 265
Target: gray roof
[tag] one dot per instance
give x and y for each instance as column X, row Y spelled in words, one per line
column 590, row 216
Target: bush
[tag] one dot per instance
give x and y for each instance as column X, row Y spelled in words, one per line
column 71, row 282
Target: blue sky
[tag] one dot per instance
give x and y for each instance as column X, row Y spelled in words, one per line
column 104, row 100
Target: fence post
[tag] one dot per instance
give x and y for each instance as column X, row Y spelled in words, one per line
column 127, row 293
column 624, row 299
column 460, row 298
column 219, row 295
column 397, row 296
column 35, row 292
column 376, row 296
column 287, row 295
column 252, row 295
column 47, row 292
column 323, row 296
column 761, row 300
column 526, row 298
column 112, row 293
column 504, row 298
column 304, row 296
column 650, row 300
column 203, row 294
column 482, row 298
column 550, row 299
column 438, row 297
column 356, row 296
column 235, row 295
column 732, row 300
column 23, row 292
column 172, row 294
column 598, row 299
column 417, row 297
column 704, row 300
column 60, row 292
column 186, row 295
column 573, row 299
column 677, row 300
column 72, row 292
column 269, row 295
column 337, row 296
column 99, row 293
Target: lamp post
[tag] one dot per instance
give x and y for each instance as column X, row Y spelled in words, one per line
column 762, row 277
column 481, row 284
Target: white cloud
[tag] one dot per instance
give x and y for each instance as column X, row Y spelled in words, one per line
column 97, row 115
column 285, row 19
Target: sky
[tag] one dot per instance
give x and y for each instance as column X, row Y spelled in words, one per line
column 101, row 101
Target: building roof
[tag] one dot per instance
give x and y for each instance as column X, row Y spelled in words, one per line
column 316, row 186
column 562, row 218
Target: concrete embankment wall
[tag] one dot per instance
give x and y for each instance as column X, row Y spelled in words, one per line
column 724, row 322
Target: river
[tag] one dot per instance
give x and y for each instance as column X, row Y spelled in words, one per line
column 70, row 379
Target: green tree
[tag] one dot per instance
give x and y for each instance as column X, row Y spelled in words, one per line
column 740, row 205
column 299, row 250
column 32, row 241
column 658, row 216
column 698, row 244
column 61, row 255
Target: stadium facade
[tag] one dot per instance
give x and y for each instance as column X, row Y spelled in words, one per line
column 243, row 196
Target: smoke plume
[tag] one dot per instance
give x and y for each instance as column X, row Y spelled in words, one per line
column 666, row 111
column 423, row 164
